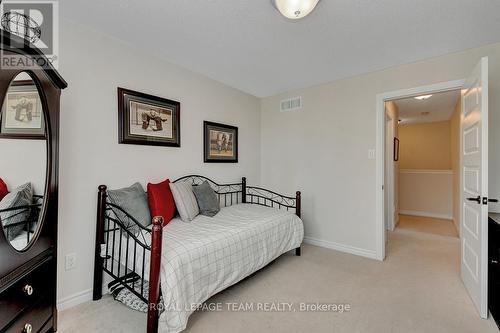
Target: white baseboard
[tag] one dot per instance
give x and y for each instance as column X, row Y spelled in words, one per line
column 341, row 247
column 425, row 214
column 73, row 300
column 79, row 298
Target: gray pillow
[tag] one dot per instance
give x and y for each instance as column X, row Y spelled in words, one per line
column 207, row 199
column 185, row 200
column 134, row 201
column 21, row 196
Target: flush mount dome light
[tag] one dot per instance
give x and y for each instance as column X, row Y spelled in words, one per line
column 423, row 97
column 295, row 9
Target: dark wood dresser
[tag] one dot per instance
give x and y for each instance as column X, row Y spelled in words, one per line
column 30, row 89
column 493, row 266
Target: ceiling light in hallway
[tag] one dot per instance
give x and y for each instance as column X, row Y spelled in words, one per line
column 423, row 97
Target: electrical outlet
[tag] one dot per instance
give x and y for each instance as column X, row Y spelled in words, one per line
column 70, row 261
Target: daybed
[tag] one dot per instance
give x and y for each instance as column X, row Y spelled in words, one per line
column 193, row 261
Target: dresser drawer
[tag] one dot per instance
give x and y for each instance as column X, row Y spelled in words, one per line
column 29, row 290
column 33, row 320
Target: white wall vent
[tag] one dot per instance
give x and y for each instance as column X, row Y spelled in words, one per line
column 291, row 104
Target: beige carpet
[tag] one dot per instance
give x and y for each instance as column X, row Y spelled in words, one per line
column 428, row 225
column 417, row 289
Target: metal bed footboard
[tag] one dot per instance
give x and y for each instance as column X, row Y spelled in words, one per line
column 120, row 242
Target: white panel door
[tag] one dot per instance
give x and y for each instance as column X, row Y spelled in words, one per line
column 474, row 186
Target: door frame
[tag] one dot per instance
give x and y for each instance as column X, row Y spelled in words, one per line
column 380, row 149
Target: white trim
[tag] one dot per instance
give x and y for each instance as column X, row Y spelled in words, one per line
column 427, row 171
column 380, row 149
column 74, row 300
column 341, row 247
column 426, row 214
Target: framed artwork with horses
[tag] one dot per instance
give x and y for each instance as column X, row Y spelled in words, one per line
column 220, row 143
column 148, row 120
column 22, row 115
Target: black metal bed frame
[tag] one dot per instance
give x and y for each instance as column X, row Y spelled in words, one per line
column 115, row 222
column 33, row 213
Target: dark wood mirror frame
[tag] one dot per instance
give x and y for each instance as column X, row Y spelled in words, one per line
column 46, row 137
column 28, row 278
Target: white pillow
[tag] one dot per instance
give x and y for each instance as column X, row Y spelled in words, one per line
column 185, row 201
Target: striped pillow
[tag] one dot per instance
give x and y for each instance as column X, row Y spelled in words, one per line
column 185, row 201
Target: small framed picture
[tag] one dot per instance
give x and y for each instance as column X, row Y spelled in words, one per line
column 148, row 120
column 220, row 143
column 22, row 112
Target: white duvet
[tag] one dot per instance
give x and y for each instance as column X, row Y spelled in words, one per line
column 209, row 254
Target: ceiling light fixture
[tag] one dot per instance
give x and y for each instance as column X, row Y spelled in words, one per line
column 295, row 9
column 423, row 97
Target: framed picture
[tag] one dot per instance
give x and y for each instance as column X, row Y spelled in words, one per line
column 220, row 143
column 148, row 120
column 396, row 150
column 22, row 112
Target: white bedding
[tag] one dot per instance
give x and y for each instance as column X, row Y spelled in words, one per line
column 207, row 255
column 21, row 240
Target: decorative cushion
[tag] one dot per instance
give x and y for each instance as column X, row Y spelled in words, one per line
column 21, row 196
column 161, row 201
column 134, row 201
column 3, row 189
column 185, row 200
column 207, row 199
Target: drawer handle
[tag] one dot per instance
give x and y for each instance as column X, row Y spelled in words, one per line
column 27, row 328
column 28, row 289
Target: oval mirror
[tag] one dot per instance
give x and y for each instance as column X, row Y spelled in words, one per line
column 23, row 161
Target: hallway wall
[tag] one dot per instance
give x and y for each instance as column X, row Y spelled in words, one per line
column 429, row 168
column 425, row 146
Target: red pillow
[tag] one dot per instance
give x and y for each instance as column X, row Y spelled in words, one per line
column 161, row 201
column 3, row 189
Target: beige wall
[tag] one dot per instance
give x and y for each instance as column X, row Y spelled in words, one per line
column 425, row 146
column 455, row 160
column 89, row 151
column 426, row 193
column 323, row 148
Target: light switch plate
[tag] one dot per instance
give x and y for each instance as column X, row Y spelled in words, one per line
column 371, row 154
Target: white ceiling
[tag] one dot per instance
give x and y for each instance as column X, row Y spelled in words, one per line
column 246, row 44
column 440, row 107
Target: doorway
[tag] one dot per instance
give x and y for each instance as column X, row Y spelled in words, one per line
column 422, row 163
column 473, row 175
